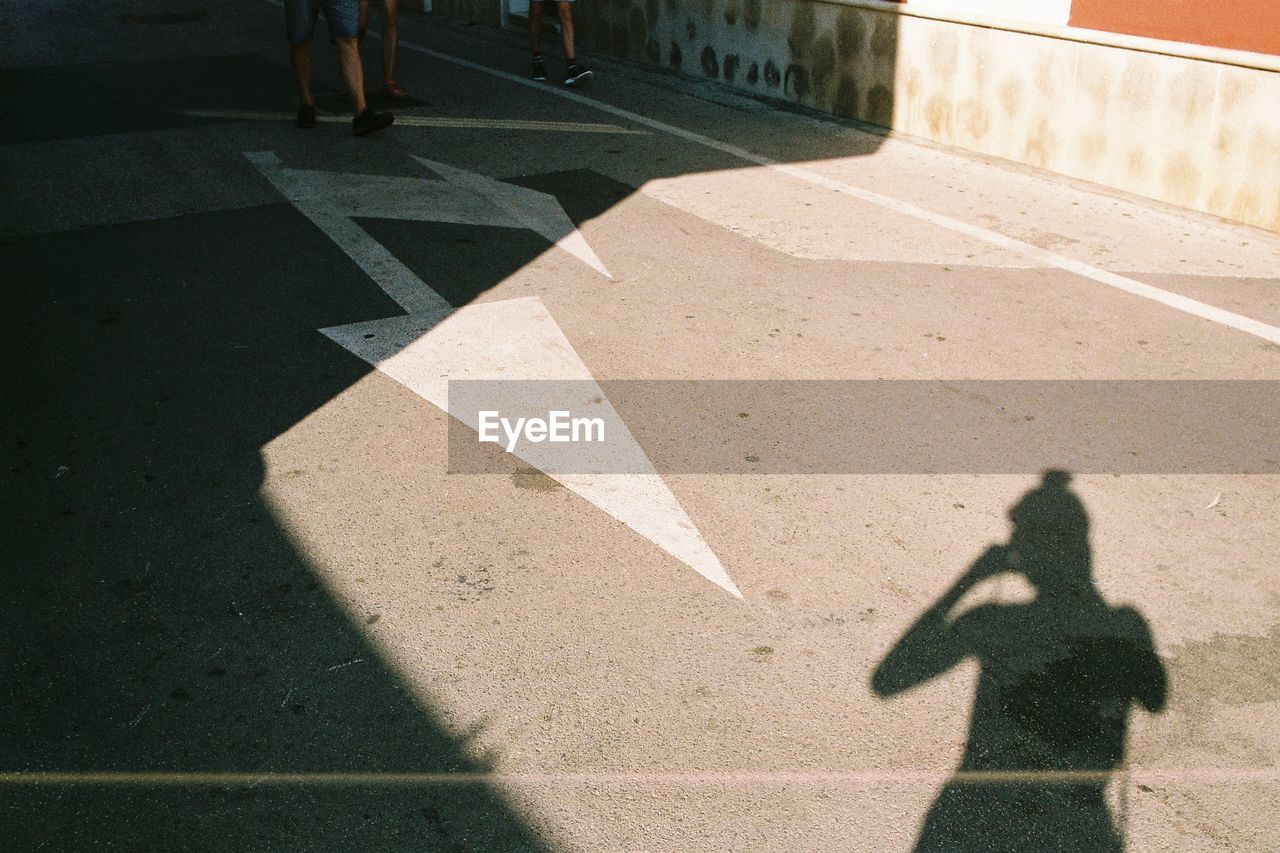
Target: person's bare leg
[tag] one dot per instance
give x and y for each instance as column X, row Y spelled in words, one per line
column 535, row 26
column 352, row 73
column 300, row 59
column 390, row 39
column 565, row 11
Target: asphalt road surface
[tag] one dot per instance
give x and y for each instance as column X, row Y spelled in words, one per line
column 247, row 605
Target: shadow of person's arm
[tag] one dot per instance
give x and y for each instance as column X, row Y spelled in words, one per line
column 1148, row 681
column 934, row 643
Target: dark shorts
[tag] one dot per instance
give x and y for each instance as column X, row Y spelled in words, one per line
column 300, row 18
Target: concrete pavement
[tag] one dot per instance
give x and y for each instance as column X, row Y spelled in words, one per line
column 249, row 609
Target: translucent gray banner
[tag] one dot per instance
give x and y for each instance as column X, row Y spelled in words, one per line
column 867, row 426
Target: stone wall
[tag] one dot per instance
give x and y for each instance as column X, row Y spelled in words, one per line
column 836, row 58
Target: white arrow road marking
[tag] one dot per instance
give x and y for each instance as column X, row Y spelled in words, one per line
column 437, row 121
column 534, row 210
column 462, row 197
column 515, row 339
column 396, row 279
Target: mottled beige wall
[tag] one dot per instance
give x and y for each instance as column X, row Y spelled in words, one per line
column 835, row 58
column 1194, row 133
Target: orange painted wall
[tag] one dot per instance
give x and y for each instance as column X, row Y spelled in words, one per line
column 1237, row 24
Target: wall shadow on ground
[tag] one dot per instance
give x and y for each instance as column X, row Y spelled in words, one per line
column 157, row 618
column 1058, row 678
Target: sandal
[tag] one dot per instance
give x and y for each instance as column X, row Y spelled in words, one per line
column 394, row 90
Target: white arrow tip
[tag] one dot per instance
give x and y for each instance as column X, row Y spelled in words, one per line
column 709, row 567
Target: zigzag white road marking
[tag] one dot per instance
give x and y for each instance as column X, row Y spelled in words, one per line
column 514, row 339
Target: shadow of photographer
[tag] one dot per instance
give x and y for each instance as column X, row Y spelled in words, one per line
column 1058, row 676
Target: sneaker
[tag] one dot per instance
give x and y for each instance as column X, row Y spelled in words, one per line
column 369, row 121
column 306, row 116
column 539, row 70
column 576, row 74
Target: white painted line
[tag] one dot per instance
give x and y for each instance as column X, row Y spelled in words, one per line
column 434, row 121
column 1137, row 288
